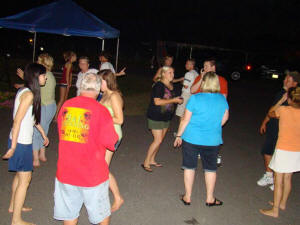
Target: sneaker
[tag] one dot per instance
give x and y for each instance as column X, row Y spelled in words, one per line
column 265, row 180
column 272, row 187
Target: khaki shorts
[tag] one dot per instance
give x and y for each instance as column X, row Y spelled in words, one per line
column 181, row 108
column 158, row 125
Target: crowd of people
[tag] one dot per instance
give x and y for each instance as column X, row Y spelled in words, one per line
column 90, row 131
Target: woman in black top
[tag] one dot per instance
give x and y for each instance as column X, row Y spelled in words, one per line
column 160, row 112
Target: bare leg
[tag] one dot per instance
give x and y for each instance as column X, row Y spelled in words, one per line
column 19, row 198
column 62, row 97
column 287, row 187
column 42, row 155
column 71, row 222
column 278, row 189
column 105, row 221
column 153, row 148
column 188, row 176
column 113, row 185
column 152, row 158
column 36, row 161
column 267, row 160
column 13, row 191
column 210, row 182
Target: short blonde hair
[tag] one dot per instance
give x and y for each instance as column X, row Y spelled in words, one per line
column 46, row 60
column 162, row 71
column 90, row 82
column 210, row 83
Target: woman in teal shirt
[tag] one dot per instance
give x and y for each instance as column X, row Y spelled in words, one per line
column 200, row 132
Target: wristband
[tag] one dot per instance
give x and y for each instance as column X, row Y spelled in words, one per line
column 178, row 136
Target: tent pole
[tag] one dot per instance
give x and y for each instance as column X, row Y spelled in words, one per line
column 117, row 56
column 33, row 55
column 191, row 52
column 102, row 44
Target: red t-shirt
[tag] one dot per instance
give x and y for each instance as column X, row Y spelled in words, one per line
column 223, row 85
column 85, row 130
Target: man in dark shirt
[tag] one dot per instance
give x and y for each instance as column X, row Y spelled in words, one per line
column 270, row 127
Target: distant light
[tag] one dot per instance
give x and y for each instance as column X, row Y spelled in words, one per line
column 30, row 40
column 7, row 55
column 248, row 67
column 275, row 76
column 42, row 48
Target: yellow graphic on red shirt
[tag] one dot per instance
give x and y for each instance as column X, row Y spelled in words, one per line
column 75, row 124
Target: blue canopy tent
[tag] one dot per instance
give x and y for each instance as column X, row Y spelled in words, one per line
column 62, row 17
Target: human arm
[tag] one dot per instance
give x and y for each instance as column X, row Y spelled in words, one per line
column 183, row 123
column 156, row 75
column 117, row 107
column 225, row 117
column 69, row 74
column 17, row 86
column 121, row 73
column 178, row 80
column 263, row 126
column 196, row 85
column 160, row 101
column 25, row 102
column 271, row 112
column 41, row 130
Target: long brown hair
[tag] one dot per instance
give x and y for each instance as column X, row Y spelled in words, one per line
column 110, row 79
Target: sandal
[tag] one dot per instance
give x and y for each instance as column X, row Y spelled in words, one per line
column 147, row 169
column 184, row 202
column 215, row 203
column 156, row 164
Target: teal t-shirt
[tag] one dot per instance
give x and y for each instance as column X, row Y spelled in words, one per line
column 205, row 126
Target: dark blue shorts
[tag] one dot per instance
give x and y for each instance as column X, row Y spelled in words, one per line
column 22, row 159
column 208, row 155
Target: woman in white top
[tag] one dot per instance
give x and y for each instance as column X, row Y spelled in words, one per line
column 27, row 113
column 104, row 58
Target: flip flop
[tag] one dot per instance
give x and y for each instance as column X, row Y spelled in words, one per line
column 184, row 202
column 215, row 203
column 147, row 169
column 156, row 164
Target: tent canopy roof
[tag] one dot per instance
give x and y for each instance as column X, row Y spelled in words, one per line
column 61, row 17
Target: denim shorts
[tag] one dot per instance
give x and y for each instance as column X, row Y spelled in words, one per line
column 22, row 160
column 68, row 201
column 208, row 155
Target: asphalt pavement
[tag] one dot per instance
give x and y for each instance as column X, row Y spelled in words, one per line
column 153, row 198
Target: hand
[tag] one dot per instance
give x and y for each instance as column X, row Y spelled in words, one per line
column 17, row 86
column 69, row 86
column 178, row 100
column 46, row 141
column 10, row 152
column 262, row 128
column 122, row 72
column 177, row 142
column 20, row 73
column 202, row 72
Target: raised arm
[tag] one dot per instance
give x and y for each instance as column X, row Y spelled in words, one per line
column 121, row 73
column 156, row 75
column 196, row 85
column 271, row 112
column 25, row 102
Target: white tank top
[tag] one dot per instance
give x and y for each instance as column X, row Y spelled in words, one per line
column 26, row 128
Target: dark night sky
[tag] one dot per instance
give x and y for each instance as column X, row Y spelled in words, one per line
column 250, row 25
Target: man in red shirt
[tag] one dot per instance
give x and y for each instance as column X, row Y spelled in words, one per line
column 85, row 130
column 209, row 66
